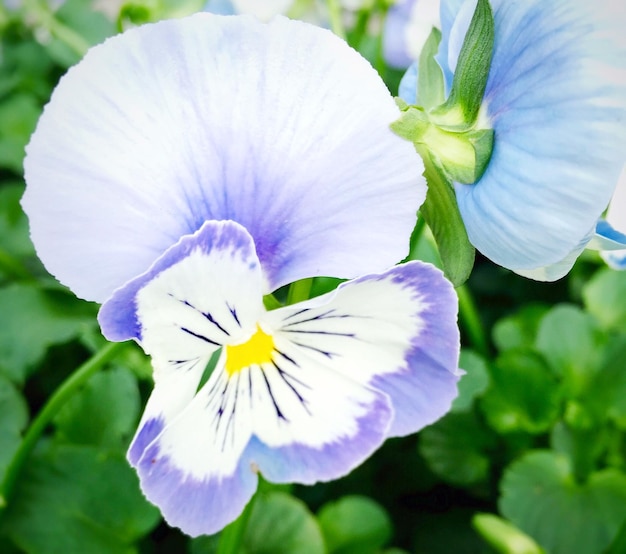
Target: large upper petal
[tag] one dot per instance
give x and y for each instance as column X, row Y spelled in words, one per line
column 556, row 98
column 280, row 127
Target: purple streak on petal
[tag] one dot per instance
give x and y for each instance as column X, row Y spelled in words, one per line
column 197, row 506
column 149, row 431
column 117, row 316
column 215, row 118
column 307, row 465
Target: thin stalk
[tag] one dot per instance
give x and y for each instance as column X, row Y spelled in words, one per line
column 40, row 12
column 471, row 320
column 334, row 15
column 65, row 391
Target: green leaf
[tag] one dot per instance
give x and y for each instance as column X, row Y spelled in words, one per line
column 604, row 297
column 542, row 498
column 570, row 342
column 282, row 524
column 504, row 537
column 524, row 395
column 473, row 383
column 18, row 117
column 583, row 446
column 25, row 67
column 34, row 319
column 430, row 87
column 104, row 413
column 13, row 420
column 457, row 449
column 78, row 499
column 519, row 330
column 73, row 29
column 354, row 525
column 606, row 395
column 472, row 71
column 442, row 215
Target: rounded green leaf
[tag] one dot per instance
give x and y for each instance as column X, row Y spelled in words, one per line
column 473, row 383
column 78, row 499
column 604, row 298
column 456, row 448
column 519, row 330
column 542, row 498
column 523, row 396
column 354, row 525
column 282, row 524
column 34, row 319
column 104, row 413
column 570, row 342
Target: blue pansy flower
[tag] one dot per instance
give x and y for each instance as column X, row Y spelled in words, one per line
column 407, row 26
column 556, row 100
column 610, row 236
column 184, row 170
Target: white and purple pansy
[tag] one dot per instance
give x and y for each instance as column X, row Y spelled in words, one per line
column 300, row 394
column 185, row 169
column 556, row 100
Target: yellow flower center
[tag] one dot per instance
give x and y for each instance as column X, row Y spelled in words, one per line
column 256, row 350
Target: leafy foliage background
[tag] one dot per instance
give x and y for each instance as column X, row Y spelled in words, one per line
column 531, row 459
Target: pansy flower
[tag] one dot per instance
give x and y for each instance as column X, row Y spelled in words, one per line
column 610, row 236
column 184, row 170
column 407, row 26
column 556, row 101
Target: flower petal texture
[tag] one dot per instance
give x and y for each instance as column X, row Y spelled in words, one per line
column 556, row 100
column 276, row 126
column 300, row 394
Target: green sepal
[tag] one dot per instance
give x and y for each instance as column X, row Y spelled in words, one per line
column 472, row 71
column 442, row 215
column 464, row 156
column 412, row 125
column 430, row 88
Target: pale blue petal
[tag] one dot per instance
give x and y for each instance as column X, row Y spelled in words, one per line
column 407, row 89
column 556, row 98
column 611, row 232
column 280, row 127
column 220, row 7
column 395, row 49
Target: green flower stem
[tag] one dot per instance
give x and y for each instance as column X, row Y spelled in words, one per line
column 67, row 389
column 299, row 291
column 334, row 14
column 232, row 535
column 42, row 15
column 471, row 321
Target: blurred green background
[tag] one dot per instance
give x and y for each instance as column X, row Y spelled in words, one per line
column 531, row 459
